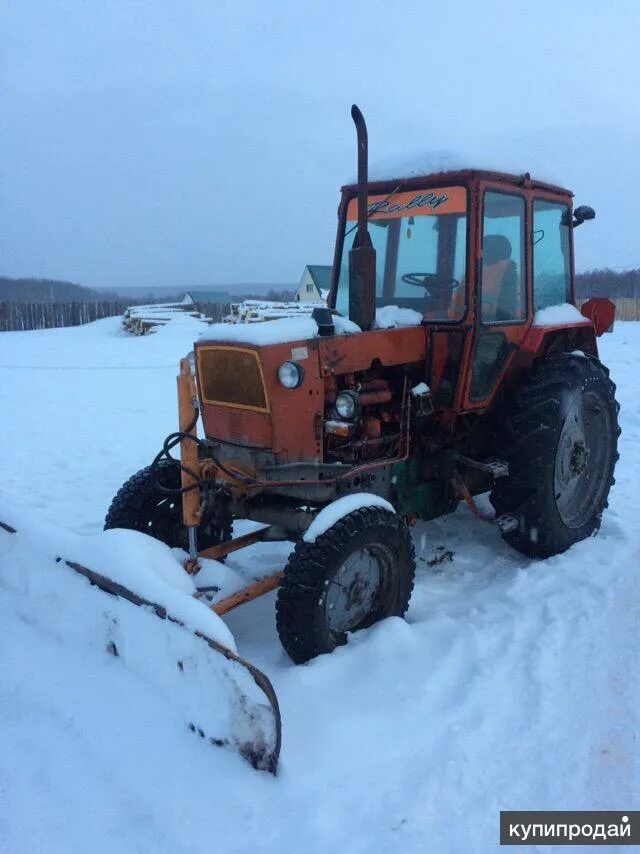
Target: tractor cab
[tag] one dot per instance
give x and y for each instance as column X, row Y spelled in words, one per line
column 435, row 236
column 474, row 254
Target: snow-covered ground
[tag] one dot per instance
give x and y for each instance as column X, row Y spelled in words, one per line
column 512, row 684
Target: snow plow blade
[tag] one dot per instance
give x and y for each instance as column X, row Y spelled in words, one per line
column 223, row 700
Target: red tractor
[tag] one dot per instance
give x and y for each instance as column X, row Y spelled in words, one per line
column 450, row 362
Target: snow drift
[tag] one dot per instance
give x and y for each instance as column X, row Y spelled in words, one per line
column 513, row 684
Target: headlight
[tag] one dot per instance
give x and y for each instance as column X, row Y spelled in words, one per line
column 347, row 405
column 291, row 374
column 192, row 362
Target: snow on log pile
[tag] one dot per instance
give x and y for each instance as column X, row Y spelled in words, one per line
column 257, row 311
column 145, row 319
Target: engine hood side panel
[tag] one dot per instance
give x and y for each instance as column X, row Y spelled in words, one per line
column 343, row 354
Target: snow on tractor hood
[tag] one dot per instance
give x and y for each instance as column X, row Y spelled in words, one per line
column 287, row 329
column 279, row 331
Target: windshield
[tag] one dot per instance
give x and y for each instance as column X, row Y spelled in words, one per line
column 420, row 238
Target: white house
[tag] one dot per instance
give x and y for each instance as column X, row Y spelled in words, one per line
column 314, row 284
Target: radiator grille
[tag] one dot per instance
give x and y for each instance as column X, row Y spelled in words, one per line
column 231, row 376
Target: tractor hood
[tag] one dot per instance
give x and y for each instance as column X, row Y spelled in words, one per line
column 243, row 401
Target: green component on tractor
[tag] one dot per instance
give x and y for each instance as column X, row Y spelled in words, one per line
column 415, row 496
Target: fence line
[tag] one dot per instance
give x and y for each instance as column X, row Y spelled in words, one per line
column 627, row 308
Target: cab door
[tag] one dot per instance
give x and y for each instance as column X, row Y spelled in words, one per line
column 502, row 303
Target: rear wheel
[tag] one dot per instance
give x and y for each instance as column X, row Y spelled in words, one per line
column 141, row 505
column 561, row 433
column 359, row 571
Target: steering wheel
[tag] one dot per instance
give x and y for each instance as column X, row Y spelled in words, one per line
column 432, row 283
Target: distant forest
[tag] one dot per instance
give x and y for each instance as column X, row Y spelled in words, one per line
column 609, row 283
column 48, row 290
column 285, row 295
column 52, row 290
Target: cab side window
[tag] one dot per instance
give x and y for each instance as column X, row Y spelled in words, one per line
column 551, row 254
column 503, row 284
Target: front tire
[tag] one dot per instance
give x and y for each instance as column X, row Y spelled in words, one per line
column 359, row 571
column 140, row 505
column 561, row 433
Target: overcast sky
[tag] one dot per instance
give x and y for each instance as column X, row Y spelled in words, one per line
column 176, row 143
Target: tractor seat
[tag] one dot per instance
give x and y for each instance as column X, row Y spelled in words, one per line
column 500, row 297
column 496, row 248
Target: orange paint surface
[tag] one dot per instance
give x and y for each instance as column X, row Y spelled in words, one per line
column 430, row 202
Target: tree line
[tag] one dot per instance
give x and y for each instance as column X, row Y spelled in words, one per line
column 49, row 290
column 22, row 316
column 609, row 283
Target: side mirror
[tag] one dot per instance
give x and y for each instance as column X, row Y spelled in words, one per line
column 581, row 214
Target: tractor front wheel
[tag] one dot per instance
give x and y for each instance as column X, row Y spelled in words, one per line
column 561, row 438
column 141, row 505
column 357, row 572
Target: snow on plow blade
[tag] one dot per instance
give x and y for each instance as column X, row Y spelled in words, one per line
column 222, row 699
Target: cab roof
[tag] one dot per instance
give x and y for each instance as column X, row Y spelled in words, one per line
column 458, row 176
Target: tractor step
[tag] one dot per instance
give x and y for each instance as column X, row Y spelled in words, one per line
column 507, row 523
column 496, row 468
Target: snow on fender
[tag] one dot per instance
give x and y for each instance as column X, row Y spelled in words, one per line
column 341, row 507
column 558, row 315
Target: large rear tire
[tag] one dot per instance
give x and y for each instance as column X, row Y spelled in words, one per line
column 561, row 435
column 140, row 505
column 359, row 571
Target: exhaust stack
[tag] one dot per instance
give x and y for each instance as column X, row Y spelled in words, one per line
column 362, row 256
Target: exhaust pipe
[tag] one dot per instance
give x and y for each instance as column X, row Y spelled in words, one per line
column 362, row 256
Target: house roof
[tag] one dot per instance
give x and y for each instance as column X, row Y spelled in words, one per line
column 321, row 275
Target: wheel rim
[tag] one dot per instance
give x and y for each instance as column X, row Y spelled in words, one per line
column 354, row 590
column 583, row 458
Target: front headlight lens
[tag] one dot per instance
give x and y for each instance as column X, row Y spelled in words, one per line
column 291, row 374
column 347, row 405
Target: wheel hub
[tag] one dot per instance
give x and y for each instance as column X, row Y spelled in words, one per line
column 578, row 458
column 352, row 591
column 582, row 458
